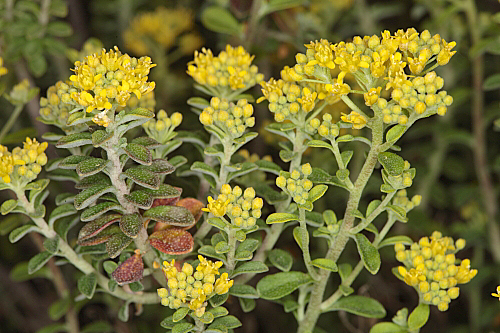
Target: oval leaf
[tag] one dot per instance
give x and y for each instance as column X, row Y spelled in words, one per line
column 278, row 285
column 359, row 305
column 369, row 253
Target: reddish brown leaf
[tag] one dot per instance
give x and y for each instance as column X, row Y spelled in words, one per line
column 93, row 228
column 130, row 270
column 193, row 205
column 172, row 241
column 165, row 202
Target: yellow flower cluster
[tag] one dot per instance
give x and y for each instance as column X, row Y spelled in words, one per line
column 497, row 294
column 430, row 266
column 24, row 163
column 374, row 62
column 161, row 128
column 3, row 70
column 243, row 207
column 405, row 179
column 110, row 78
column 421, row 95
column 165, row 27
column 401, row 200
column 232, row 118
column 296, row 183
column 146, row 101
column 287, row 98
column 357, row 120
column 192, row 288
column 326, row 129
column 55, row 108
column 232, row 69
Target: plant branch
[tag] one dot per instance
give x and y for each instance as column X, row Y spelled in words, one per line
column 10, row 122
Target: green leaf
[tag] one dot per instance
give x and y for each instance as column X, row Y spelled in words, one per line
column 72, row 161
column 59, row 29
column 161, row 167
column 395, row 133
column 319, row 144
column 182, row 328
column 359, row 305
column 392, row 163
column 346, row 157
column 301, row 236
column 222, row 247
column 395, row 240
column 207, row 318
column 401, row 212
column 219, row 311
column 109, row 266
column 218, row 223
column 8, row 206
column 37, row 65
column 172, row 215
column 88, row 196
column 230, row 322
column 198, row 102
column 324, row 263
column 141, row 199
column 139, row 153
column 217, row 300
column 86, row 285
column 287, row 155
column 94, row 212
column 90, row 166
column 116, row 244
column 372, row 206
column 387, row 328
column 179, row 314
column 74, row 140
column 244, row 169
column 123, row 312
column 492, row 82
column 280, row 259
column 38, row 261
column 317, row 192
column 204, row 169
column 386, row 188
column 345, row 290
column 131, row 224
column 139, row 114
column 278, row 285
column 167, row 323
column 418, row 317
column 268, row 194
column 144, row 178
column 208, row 250
column 275, row 5
column 101, row 136
column 53, row 328
column 51, row 244
column 59, row 308
column 369, row 253
column 243, row 291
column 281, row 218
column 268, row 166
column 220, row 20
column 147, row 142
column 250, row 267
column 247, row 304
column 61, row 211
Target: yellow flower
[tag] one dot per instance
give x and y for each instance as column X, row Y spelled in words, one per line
column 497, row 294
column 308, row 99
column 216, row 207
column 101, row 119
column 3, row 70
column 322, row 53
column 445, row 54
column 357, row 120
column 372, row 96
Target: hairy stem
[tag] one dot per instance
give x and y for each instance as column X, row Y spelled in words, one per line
column 231, row 263
column 305, row 246
column 313, row 310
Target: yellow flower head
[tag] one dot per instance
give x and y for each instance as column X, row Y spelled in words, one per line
column 357, row 120
column 231, row 118
column 243, row 207
column 497, row 294
column 22, row 164
column 3, row 70
column 231, row 69
column 108, row 78
column 430, row 266
column 216, row 207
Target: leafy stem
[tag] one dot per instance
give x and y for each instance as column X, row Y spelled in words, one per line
column 305, row 244
column 231, row 234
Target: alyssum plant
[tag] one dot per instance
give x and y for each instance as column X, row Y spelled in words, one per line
column 130, row 213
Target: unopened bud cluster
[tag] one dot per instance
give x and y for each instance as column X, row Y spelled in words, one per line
column 161, row 127
column 421, row 95
column 22, row 164
column 430, row 266
column 296, row 184
column 401, row 200
column 405, row 179
column 55, row 108
column 193, row 287
column 326, row 129
column 232, row 69
column 232, row 118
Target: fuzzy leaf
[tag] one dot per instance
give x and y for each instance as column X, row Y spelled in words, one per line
column 250, row 267
column 418, row 317
column 87, row 284
column 131, row 270
column 230, row 322
column 74, row 140
column 61, row 211
column 140, row 114
column 280, row 259
column 204, row 169
column 59, row 308
column 172, row 215
column 8, row 206
column 396, row 239
column 317, row 192
column 100, row 136
column 395, row 133
column 387, row 328
column 94, row 212
column 220, row 20
column 208, row 250
column 369, row 253
column 143, row 177
column 18, row 233
column 179, row 314
column 359, row 305
column 88, row 196
column 281, row 218
column 116, row 244
column 139, row 153
column 141, row 199
column 51, row 244
column 268, row 166
column 243, row 291
column 90, row 166
column 278, row 285
column 93, row 228
column 161, row 166
column 165, row 191
column 146, row 141
column 38, row 261
column 247, row 304
column 173, row 241
column 324, row 263
column 97, row 179
column 182, row 328
column 131, row 224
column 392, row 163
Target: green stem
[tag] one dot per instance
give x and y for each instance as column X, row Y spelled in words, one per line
column 359, row 267
column 313, row 310
column 12, row 119
column 276, row 229
column 374, row 214
column 199, row 326
column 353, row 106
column 305, row 246
column 85, row 267
column 231, row 263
